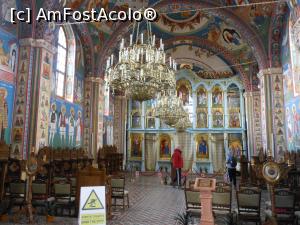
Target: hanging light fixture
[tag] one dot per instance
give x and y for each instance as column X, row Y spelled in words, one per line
column 169, row 107
column 183, row 123
column 141, row 69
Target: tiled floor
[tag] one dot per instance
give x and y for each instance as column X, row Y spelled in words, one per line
column 151, row 203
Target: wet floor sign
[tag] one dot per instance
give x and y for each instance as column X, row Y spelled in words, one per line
column 92, row 206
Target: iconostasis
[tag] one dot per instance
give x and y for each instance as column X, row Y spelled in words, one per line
column 216, row 110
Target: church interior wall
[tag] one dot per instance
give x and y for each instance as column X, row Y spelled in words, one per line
column 8, row 66
column 290, row 61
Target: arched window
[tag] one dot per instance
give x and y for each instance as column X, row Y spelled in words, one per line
column 65, row 65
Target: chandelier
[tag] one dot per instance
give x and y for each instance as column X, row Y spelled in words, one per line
column 169, row 108
column 141, row 70
column 183, row 123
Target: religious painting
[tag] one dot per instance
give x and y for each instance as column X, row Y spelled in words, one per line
column 136, row 105
column 150, row 120
column 233, row 96
column 46, row 66
column 184, row 90
column 235, row 144
column 202, row 118
column 8, row 52
column 136, row 145
column 202, row 146
column 136, row 120
column 218, row 117
column 165, row 146
column 231, row 36
column 202, row 97
column 234, row 118
column 65, row 124
column 78, row 90
column 6, row 111
column 217, row 96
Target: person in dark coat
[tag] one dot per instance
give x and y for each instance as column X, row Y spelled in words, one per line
column 177, row 164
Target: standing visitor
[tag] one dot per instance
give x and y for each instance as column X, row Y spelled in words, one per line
column 177, row 163
column 231, row 163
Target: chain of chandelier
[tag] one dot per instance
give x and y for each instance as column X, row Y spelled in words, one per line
column 142, row 73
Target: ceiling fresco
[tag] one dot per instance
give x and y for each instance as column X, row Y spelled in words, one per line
column 236, row 38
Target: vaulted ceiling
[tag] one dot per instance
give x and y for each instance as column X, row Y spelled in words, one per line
column 205, row 35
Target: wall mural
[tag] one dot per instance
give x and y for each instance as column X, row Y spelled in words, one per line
column 5, row 16
column 290, row 60
column 65, row 124
column 6, row 111
column 8, row 52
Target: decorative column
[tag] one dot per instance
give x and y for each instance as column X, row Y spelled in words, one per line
column 120, row 113
column 32, row 103
column 253, row 119
column 194, row 96
column 88, row 113
column 272, row 110
column 242, row 110
column 226, row 143
column 143, row 168
column 95, row 114
column 41, row 100
column 226, row 116
column 209, row 96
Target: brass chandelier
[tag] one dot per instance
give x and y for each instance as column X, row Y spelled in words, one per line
column 141, row 70
column 169, row 107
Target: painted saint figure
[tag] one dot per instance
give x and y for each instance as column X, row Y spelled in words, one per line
column 62, row 122
column 71, row 122
column 3, row 113
column 79, row 130
column 165, row 150
column 202, row 147
column 52, row 124
column 135, row 147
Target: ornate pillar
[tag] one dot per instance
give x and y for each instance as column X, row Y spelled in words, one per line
column 253, row 121
column 93, row 130
column 242, row 110
column 143, row 167
column 272, row 110
column 89, row 95
column 226, row 116
column 209, row 95
column 32, row 103
column 195, row 109
column 120, row 113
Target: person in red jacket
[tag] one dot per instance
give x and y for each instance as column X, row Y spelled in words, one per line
column 177, row 163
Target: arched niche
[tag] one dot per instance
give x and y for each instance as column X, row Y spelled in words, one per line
column 202, row 96
column 136, row 120
column 184, row 91
column 217, row 96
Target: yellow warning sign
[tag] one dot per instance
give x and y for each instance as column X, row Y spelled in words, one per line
column 93, row 202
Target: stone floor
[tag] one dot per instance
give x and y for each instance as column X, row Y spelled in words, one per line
column 151, row 203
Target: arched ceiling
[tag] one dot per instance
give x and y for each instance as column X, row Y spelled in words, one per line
column 235, row 39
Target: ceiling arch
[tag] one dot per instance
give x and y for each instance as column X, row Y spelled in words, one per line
column 222, row 52
column 247, row 33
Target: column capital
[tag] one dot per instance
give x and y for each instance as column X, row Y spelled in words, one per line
column 39, row 43
column 94, row 79
column 270, row 71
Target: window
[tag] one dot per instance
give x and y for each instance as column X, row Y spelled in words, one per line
column 65, row 63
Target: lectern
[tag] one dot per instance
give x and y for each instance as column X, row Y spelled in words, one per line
column 206, row 186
